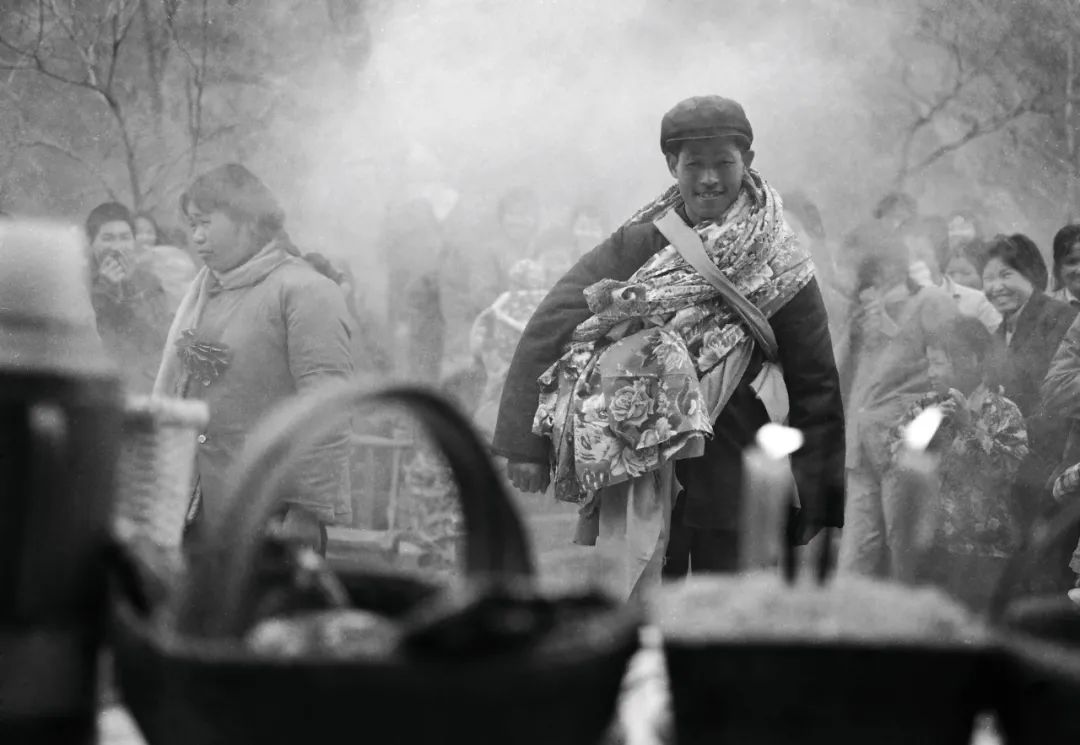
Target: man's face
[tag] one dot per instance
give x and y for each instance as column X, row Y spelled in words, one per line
column 709, row 173
column 221, row 243
column 114, row 236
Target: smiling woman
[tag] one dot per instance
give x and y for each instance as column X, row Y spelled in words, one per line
column 1015, row 279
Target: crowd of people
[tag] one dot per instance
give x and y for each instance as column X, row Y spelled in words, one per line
column 241, row 318
column 615, row 370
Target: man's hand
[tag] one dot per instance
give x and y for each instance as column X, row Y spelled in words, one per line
column 528, row 477
column 112, row 269
column 805, row 532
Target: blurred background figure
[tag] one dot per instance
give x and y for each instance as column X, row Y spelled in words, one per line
column 834, row 279
column 981, row 443
column 519, row 221
column 132, row 308
column 414, row 250
column 895, row 328
column 964, row 265
column 173, row 266
column 964, row 227
column 555, row 251
column 1066, row 270
column 928, row 256
column 371, row 354
column 588, row 224
column 498, row 329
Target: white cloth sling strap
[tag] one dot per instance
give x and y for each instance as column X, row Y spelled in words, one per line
column 769, row 384
column 688, row 243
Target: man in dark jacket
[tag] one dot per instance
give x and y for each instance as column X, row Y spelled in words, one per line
column 706, row 142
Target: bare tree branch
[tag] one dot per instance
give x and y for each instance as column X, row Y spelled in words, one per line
column 974, row 131
column 60, row 150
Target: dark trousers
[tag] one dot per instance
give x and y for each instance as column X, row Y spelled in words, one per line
column 702, row 550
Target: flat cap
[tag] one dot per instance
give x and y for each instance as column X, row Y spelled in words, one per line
column 705, row 117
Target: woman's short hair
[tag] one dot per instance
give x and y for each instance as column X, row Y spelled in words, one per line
column 106, row 213
column 965, row 335
column 806, row 212
column 1021, row 254
column 1064, row 240
column 877, row 254
column 237, row 192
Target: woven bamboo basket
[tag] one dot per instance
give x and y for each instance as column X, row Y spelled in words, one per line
column 156, row 467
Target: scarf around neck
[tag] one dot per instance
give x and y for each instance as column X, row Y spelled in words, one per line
column 629, row 393
column 172, row 378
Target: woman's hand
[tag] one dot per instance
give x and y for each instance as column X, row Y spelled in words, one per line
column 955, row 408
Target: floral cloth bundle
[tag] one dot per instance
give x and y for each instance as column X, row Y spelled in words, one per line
column 628, row 394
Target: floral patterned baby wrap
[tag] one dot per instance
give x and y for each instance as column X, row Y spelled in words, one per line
column 627, row 395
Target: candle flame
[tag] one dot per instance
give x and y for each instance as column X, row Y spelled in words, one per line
column 921, row 431
column 778, row 441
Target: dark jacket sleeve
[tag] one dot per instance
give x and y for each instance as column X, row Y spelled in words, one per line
column 806, row 354
column 1061, row 388
column 548, row 332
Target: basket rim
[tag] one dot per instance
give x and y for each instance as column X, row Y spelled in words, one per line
column 149, row 410
column 623, row 622
column 758, row 643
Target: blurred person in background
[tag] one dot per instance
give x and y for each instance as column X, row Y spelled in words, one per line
column 1066, row 271
column 588, row 225
column 928, row 253
column 519, row 220
column 498, row 329
column 964, row 265
column 370, row 356
column 258, row 325
column 172, row 265
column 803, row 217
column 964, row 227
column 132, row 308
column 414, row 250
column 1015, row 279
column 555, row 250
column 895, row 328
column 981, row 443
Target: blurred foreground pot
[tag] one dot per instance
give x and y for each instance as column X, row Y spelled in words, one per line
column 756, row 660
column 195, row 683
column 1039, row 698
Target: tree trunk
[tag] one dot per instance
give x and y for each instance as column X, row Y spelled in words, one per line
column 1070, row 130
